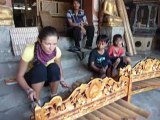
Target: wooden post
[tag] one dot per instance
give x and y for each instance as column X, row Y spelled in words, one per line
column 123, row 17
column 128, row 28
column 88, row 8
column 25, row 15
column 159, row 16
column 129, row 94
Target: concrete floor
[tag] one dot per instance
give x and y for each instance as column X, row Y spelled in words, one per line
column 149, row 101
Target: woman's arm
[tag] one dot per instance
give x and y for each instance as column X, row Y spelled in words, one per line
column 58, row 62
column 22, row 82
column 20, row 75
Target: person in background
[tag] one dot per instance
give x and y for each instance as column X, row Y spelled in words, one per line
column 78, row 26
column 117, row 55
column 41, row 63
column 99, row 61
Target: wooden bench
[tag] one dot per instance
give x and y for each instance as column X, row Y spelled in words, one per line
column 144, row 76
column 92, row 101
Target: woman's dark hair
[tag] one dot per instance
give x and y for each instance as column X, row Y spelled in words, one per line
column 115, row 38
column 79, row 1
column 102, row 38
column 47, row 31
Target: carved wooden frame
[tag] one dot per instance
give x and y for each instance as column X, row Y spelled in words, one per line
column 143, row 70
column 84, row 99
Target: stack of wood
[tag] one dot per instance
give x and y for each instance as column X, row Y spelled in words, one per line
column 128, row 34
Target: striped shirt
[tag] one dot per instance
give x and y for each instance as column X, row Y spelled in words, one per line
column 80, row 17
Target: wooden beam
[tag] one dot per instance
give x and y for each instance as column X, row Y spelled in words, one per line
column 102, row 116
column 88, row 8
column 134, row 108
column 110, row 113
column 159, row 16
column 125, row 110
column 91, row 116
column 82, row 118
column 117, row 111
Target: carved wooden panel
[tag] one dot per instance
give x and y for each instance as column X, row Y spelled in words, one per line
column 84, row 99
column 145, row 69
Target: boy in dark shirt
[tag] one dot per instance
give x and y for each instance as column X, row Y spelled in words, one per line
column 99, row 61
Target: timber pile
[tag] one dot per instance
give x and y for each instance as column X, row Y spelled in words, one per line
column 128, row 34
column 84, row 99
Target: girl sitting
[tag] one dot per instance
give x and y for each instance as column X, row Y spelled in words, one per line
column 117, row 54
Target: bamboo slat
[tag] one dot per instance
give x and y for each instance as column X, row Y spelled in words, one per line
column 146, row 85
column 122, row 114
column 125, row 110
column 110, row 113
column 133, row 108
column 91, row 116
column 102, row 116
column 82, row 118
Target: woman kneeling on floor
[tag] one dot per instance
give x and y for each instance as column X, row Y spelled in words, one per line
column 42, row 61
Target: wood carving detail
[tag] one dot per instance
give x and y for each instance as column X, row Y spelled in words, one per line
column 144, row 69
column 84, row 99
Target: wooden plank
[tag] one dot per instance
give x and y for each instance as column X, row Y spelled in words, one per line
column 125, row 110
column 82, row 118
column 129, row 94
column 158, row 17
column 102, row 116
column 144, row 89
column 91, row 116
column 46, row 19
column 88, row 8
column 110, row 113
column 136, row 109
column 117, row 111
column 146, row 85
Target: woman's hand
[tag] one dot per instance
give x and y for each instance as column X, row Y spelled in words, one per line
column 31, row 94
column 63, row 83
